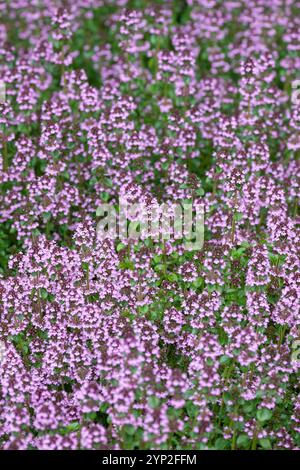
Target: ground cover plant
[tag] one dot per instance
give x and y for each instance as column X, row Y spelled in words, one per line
column 143, row 344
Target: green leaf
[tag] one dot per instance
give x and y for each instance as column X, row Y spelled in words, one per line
column 265, row 443
column 220, row 443
column 224, row 359
column 197, row 282
column 43, row 293
column 172, row 277
column 153, row 401
column 105, row 196
column 209, row 361
column 249, row 407
column 129, row 429
column 73, row 427
column 47, row 216
column 263, row 415
column 159, row 267
column 191, row 407
column 243, row 441
column 120, row 247
column 200, row 192
column 227, row 397
column 238, row 216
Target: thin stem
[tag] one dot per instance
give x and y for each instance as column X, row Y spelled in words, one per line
column 88, row 278
column 5, row 155
column 254, row 442
column 233, row 444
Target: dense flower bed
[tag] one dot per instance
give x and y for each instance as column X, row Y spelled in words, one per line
column 143, row 344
